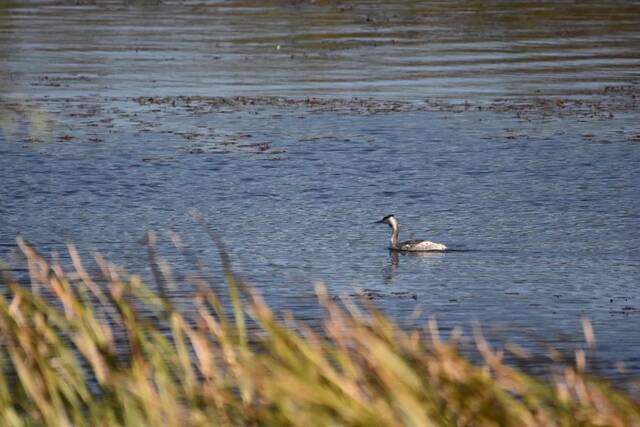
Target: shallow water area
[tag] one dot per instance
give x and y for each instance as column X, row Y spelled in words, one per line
column 292, row 139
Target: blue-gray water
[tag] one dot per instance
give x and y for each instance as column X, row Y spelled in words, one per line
column 542, row 205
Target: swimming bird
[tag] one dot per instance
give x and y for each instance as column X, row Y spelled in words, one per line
column 409, row 245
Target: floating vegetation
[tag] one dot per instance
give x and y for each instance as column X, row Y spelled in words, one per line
column 104, row 350
column 623, row 99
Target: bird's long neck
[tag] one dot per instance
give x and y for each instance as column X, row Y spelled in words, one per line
column 394, row 235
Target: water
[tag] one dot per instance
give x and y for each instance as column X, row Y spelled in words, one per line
column 376, row 48
column 540, row 202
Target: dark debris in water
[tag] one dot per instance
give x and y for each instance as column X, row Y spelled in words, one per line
column 611, row 100
column 372, row 295
column 193, row 123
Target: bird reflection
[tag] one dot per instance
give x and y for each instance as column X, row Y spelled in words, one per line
column 389, row 270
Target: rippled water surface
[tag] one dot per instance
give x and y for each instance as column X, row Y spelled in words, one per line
column 365, row 48
column 118, row 118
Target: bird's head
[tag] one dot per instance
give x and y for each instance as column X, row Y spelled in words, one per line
column 390, row 220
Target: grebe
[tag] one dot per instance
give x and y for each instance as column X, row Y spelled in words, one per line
column 409, row 245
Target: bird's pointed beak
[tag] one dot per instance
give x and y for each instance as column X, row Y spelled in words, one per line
column 378, row 222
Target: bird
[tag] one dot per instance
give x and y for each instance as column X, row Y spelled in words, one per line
column 408, row 245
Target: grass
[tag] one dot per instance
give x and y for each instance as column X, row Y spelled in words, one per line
column 79, row 350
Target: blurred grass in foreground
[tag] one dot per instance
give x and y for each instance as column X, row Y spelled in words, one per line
column 84, row 351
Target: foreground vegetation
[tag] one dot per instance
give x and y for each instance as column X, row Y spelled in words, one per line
column 103, row 350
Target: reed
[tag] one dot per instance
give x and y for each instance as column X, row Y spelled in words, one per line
column 104, row 350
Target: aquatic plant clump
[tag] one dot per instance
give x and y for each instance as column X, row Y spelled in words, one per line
column 104, row 350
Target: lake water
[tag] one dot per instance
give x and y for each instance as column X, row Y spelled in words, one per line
column 534, row 182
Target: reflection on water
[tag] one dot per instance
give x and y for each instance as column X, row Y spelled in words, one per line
column 388, row 272
column 408, row 49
